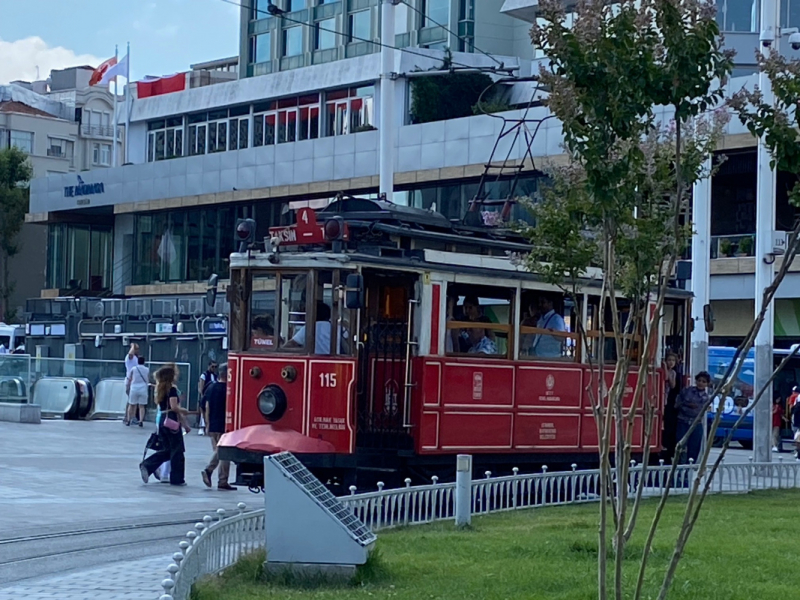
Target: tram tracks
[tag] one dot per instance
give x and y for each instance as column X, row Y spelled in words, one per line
column 25, row 557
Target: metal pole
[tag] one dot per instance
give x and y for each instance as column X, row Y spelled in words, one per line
column 114, row 126
column 701, row 254
column 387, row 97
column 765, row 224
column 128, row 105
column 701, row 275
column 463, row 490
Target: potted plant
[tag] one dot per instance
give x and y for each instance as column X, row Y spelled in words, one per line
column 746, row 246
column 725, row 248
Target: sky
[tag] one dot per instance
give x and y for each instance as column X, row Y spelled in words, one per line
column 166, row 36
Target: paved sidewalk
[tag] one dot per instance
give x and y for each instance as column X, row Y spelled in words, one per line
column 130, row 580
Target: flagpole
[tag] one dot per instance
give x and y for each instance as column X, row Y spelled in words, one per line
column 128, row 101
column 114, row 131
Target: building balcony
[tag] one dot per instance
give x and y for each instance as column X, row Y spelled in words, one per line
column 99, row 131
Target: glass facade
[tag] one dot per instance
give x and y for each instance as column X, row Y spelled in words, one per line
column 337, row 112
column 293, row 41
column 437, row 12
column 360, row 26
column 452, row 200
column 79, row 256
column 191, row 245
column 325, row 34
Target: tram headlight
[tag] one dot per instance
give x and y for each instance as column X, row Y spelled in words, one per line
column 272, row 402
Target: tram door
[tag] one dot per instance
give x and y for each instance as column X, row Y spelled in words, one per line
column 382, row 392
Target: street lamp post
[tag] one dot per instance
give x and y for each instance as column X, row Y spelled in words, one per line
column 765, row 225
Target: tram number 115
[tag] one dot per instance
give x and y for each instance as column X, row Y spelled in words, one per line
column 327, row 380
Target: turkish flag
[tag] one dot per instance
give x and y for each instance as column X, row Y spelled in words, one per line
column 101, row 70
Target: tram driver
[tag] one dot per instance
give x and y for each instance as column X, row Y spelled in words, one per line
column 322, row 332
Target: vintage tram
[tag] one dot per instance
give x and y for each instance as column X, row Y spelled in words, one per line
column 377, row 341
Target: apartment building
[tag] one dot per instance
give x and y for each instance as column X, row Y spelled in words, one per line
column 301, row 124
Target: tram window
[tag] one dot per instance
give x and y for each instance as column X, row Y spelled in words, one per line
column 605, row 319
column 546, row 327
column 293, row 311
column 262, row 313
column 478, row 320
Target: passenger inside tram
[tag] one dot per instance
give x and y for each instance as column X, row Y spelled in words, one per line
column 262, row 332
column 544, row 345
column 479, row 339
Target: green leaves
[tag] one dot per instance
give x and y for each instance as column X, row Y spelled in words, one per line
column 630, row 175
column 775, row 123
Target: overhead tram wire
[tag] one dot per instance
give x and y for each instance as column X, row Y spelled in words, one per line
column 282, row 15
column 451, row 32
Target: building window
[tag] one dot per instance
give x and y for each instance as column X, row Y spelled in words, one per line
column 22, row 140
column 325, row 34
column 101, row 154
column 79, row 256
column 58, row 148
column 260, row 48
column 287, row 120
column 350, row 110
column 165, row 139
column 197, row 134
column 238, row 128
column 293, row 5
column 437, row 12
column 293, row 41
column 466, row 10
column 360, row 26
column 260, row 9
column 742, row 15
column 217, row 135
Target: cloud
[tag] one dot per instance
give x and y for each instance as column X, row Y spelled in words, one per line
column 21, row 57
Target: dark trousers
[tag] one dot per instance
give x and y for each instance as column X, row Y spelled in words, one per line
column 694, row 442
column 172, row 450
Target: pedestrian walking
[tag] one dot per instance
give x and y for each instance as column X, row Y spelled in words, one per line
column 208, row 377
column 777, row 423
column 796, row 428
column 171, row 421
column 690, row 403
column 137, row 384
column 212, row 405
column 131, row 361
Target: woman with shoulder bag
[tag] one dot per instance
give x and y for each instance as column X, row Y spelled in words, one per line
column 170, row 424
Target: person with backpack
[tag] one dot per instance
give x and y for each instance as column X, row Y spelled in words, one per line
column 212, row 406
column 206, row 379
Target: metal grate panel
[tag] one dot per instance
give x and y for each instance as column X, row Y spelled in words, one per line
column 294, row 469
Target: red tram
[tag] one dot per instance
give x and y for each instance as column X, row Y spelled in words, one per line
column 426, row 343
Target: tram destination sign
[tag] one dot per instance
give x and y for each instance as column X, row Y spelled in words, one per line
column 306, row 231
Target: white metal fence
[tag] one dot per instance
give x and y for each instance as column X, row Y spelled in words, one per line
column 216, row 544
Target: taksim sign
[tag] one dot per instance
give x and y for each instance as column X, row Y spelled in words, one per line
column 83, row 189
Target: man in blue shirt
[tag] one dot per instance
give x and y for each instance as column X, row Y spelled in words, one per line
column 548, row 346
column 691, row 402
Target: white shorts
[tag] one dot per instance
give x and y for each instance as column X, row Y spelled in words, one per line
column 138, row 397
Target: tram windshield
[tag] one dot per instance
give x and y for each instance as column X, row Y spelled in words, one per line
column 283, row 305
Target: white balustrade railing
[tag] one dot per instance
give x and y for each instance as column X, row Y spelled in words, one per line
column 219, row 542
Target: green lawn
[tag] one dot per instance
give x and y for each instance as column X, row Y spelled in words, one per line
column 743, row 548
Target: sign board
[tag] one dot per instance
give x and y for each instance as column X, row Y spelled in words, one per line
column 163, row 327
column 779, row 242
column 305, row 231
column 83, row 189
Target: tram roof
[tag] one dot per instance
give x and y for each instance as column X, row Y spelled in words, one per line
column 493, row 268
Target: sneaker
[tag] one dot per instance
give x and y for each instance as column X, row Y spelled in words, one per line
column 126, row 423
column 201, row 431
column 206, row 477
column 144, row 473
column 179, row 484
column 774, row 448
column 226, row 486
column 164, row 480
column 141, row 424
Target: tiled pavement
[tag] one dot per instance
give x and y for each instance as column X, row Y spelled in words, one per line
column 129, row 580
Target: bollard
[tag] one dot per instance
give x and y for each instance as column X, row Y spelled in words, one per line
column 434, row 479
column 463, row 490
